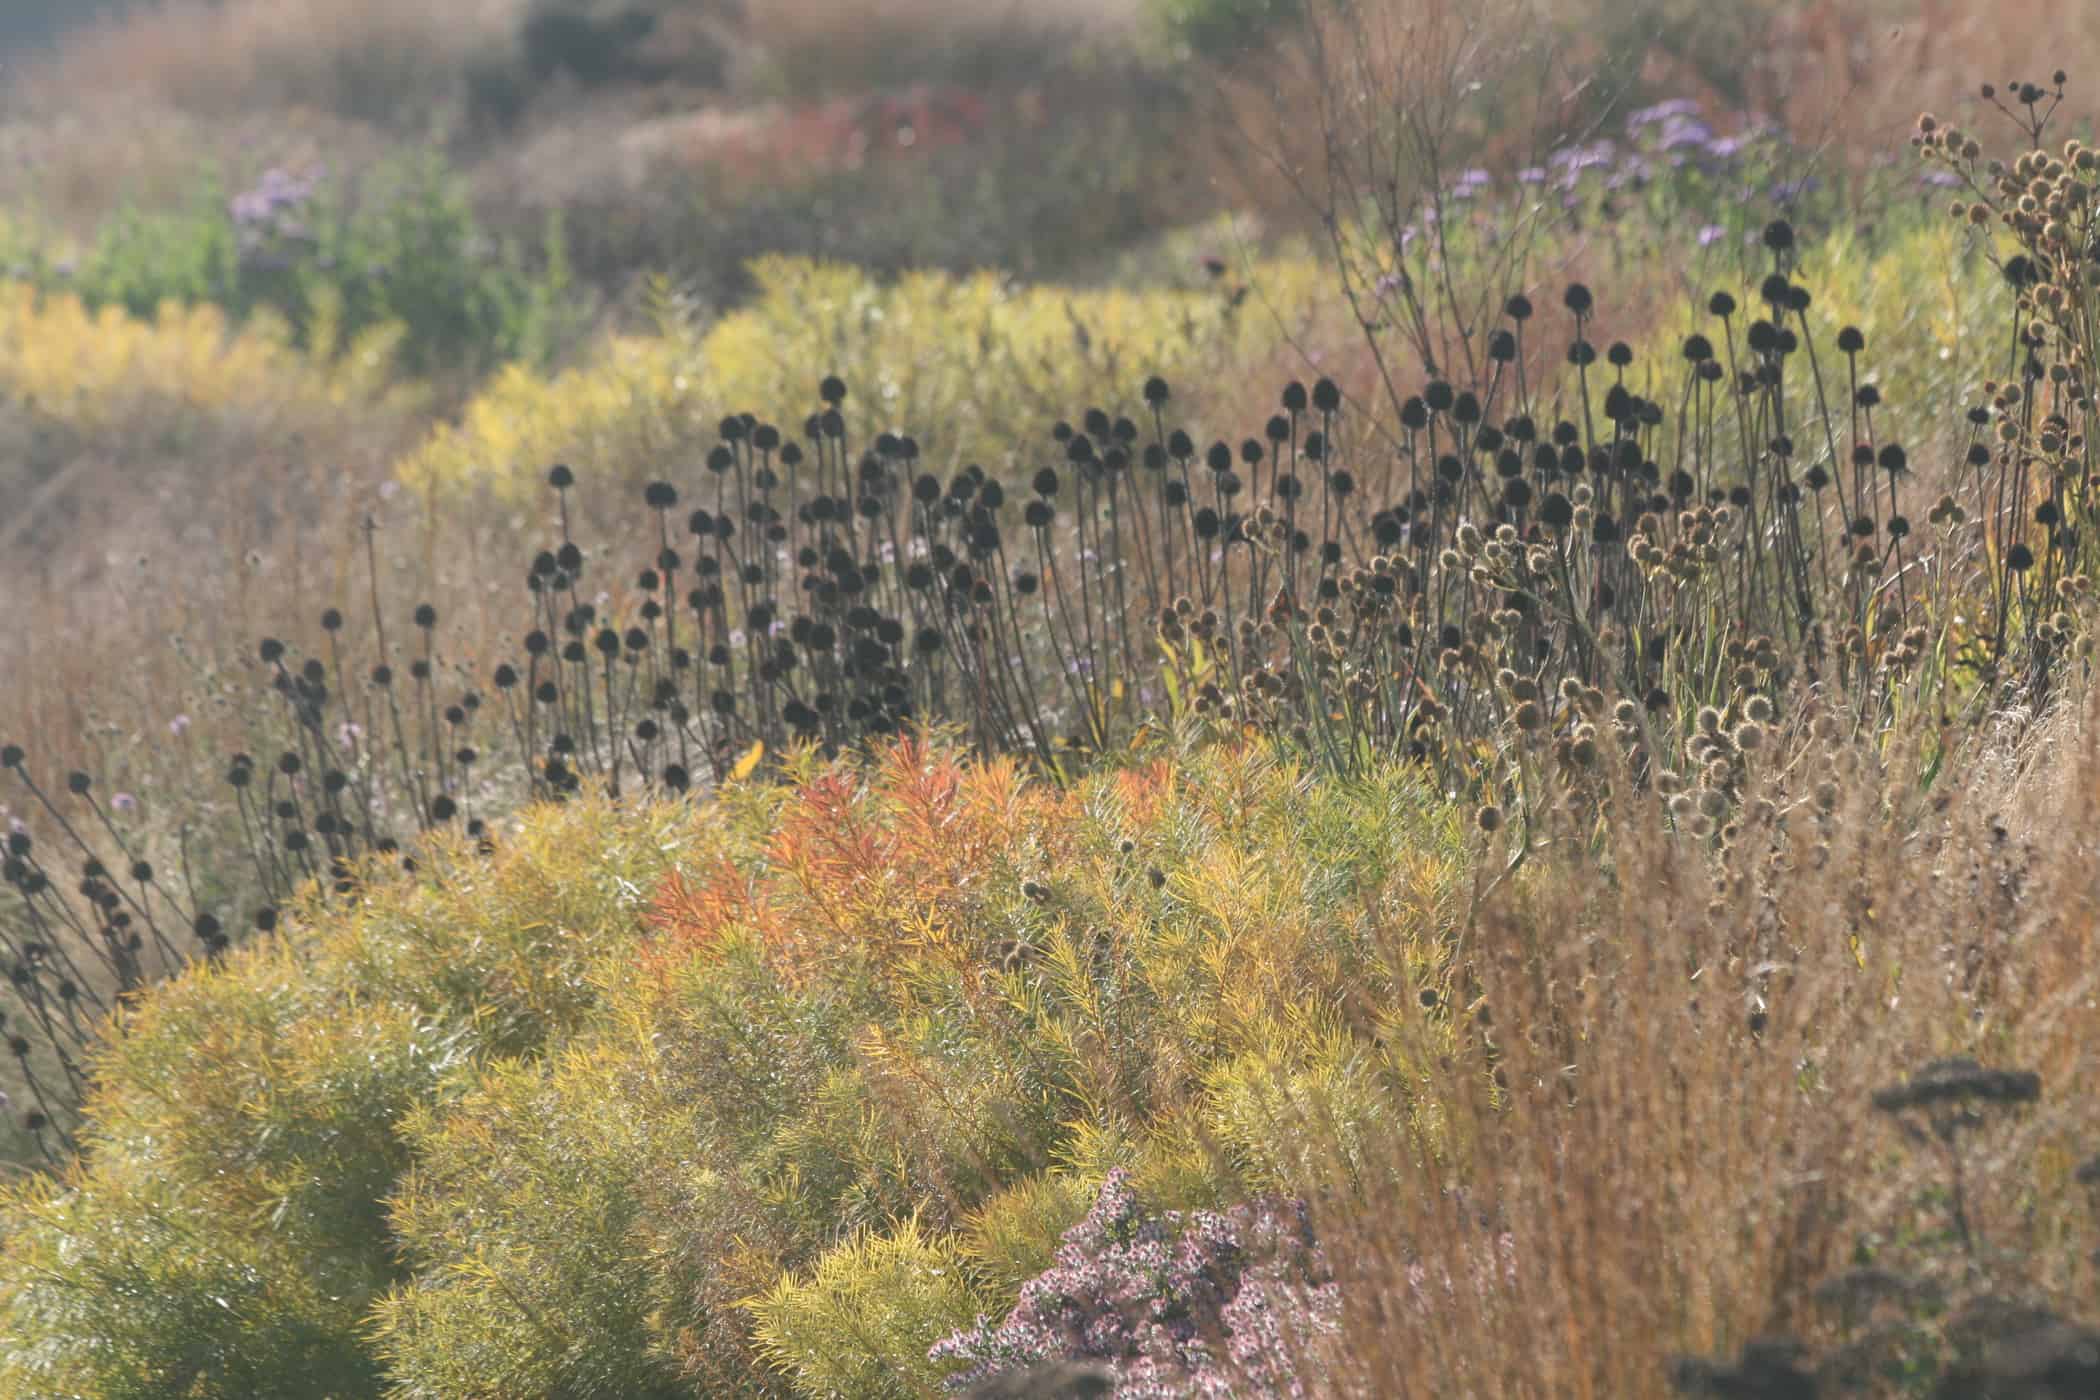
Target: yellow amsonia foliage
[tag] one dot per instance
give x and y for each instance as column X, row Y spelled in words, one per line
column 1932, row 308
column 975, row 368
column 95, row 371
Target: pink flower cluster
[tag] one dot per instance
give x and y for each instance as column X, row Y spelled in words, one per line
column 1176, row 1304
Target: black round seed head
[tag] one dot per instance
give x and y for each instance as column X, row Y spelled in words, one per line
column 560, row 477
column 660, row 495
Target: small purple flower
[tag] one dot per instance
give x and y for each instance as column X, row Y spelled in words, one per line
column 1940, row 180
column 1633, row 173
column 1788, row 191
column 1681, row 132
column 123, row 802
column 1532, row 175
column 347, row 734
column 179, row 726
column 1677, row 107
column 1711, row 234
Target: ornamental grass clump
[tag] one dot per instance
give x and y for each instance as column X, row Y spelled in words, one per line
column 1932, row 1308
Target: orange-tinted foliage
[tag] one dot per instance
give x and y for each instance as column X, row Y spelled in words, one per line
column 874, row 854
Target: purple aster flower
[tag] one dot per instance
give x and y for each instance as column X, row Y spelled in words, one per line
column 1681, row 132
column 1662, row 112
column 1711, row 234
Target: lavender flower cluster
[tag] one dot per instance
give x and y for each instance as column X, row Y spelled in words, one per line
column 1667, row 136
column 273, row 211
column 1175, row 1304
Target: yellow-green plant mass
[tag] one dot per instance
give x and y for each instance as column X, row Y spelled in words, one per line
column 1488, row 793
column 979, row 365
column 730, row 1093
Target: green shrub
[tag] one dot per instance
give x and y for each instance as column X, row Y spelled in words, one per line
column 256, row 1116
column 862, row 1321
column 398, row 245
column 128, row 1287
column 1223, row 29
column 532, row 1274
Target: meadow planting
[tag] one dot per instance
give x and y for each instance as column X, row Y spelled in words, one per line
column 1197, row 699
